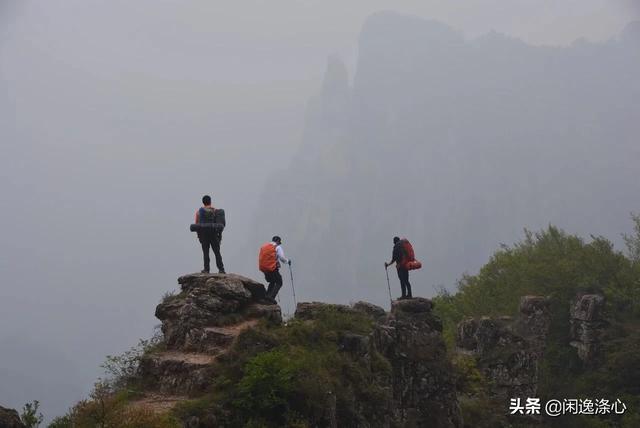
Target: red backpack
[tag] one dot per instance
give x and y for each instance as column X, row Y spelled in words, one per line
column 409, row 261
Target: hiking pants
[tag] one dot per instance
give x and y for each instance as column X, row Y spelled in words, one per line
column 214, row 243
column 275, row 283
column 403, row 276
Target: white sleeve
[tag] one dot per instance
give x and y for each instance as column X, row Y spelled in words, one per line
column 280, row 253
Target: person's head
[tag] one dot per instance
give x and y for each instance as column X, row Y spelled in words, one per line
column 396, row 239
column 276, row 239
column 206, row 200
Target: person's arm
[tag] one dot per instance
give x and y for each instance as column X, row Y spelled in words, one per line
column 197, row 216
column 395, row 256
column 280, row 254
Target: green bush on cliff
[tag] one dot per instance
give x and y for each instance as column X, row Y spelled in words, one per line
column 559, row 265
column 295, row 375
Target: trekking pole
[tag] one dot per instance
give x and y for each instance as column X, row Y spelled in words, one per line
column 295, row 304
column 388, row 284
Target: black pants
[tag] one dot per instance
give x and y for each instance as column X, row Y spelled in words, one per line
column 275, row 283
column 214, row 243
column 403, row 275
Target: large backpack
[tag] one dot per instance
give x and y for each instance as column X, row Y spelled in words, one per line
column 207, row 215
column 220, row 219
column 409, row 261
column 268, row 258
column 213, row 218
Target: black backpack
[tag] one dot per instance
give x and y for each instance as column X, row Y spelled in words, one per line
column 207, row 215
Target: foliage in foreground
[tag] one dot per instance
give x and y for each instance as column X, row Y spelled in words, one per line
column 294, row 376
column 558, row 265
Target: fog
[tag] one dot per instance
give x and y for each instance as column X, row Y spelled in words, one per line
column 116, row 117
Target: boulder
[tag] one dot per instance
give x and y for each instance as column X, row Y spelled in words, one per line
column 210, row 300
column 9, row 418
column 374, row 311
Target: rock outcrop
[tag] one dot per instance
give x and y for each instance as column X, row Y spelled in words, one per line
column 420, row 387
column 587, row 326
column 199, row 324
column 311, row 310
column 422, row 382
column 9, row 418
column 508, row 352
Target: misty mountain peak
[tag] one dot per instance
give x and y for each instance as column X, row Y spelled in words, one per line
column 336, row 78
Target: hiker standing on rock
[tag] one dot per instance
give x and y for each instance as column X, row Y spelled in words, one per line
column 271, row 254
column 211, row 222
column 404, row 258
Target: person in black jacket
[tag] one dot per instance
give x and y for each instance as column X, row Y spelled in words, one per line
column 398, row 257
column 209, row 238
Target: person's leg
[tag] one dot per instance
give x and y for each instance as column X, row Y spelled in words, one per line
column 277, row 283
column 205, row 254
column 215, row 246
column 409, row 295
column 402, row 282
column 269, row 278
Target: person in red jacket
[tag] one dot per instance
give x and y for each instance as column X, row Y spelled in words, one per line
column 399, row 257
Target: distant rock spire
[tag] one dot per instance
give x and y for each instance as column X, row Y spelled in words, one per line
column 335, row 89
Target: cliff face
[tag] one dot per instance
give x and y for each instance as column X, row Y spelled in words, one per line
column 199, row 325
column 508, row 351
column 422, row 381
column 587, row 327
column 405, row 378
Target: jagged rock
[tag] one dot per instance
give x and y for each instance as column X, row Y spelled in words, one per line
column 422, row 381
column 210, row 300
column 534, row 318
column 415, row 305
column 193, row 280
column 311, row 310
column 415, row 309
column 177, row 372
column 508, row 351
column 271, row 313
column 587, row 326
column 208, row 339
column 229, row 288
column 374, row 311
column 9, row 418
column 355, row 344
column 587, row 307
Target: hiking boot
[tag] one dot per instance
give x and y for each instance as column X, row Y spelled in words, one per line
column 204, row 271
column 221, row 271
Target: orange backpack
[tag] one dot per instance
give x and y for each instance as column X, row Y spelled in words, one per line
column 268, row 259
column 409, row 261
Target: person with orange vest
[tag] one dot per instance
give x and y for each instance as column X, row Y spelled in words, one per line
column 269, row 258
column 405, row 260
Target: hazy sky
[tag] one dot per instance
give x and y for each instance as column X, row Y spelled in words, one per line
column 116, row 116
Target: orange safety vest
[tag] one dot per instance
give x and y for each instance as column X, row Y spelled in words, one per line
column 268, row 259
